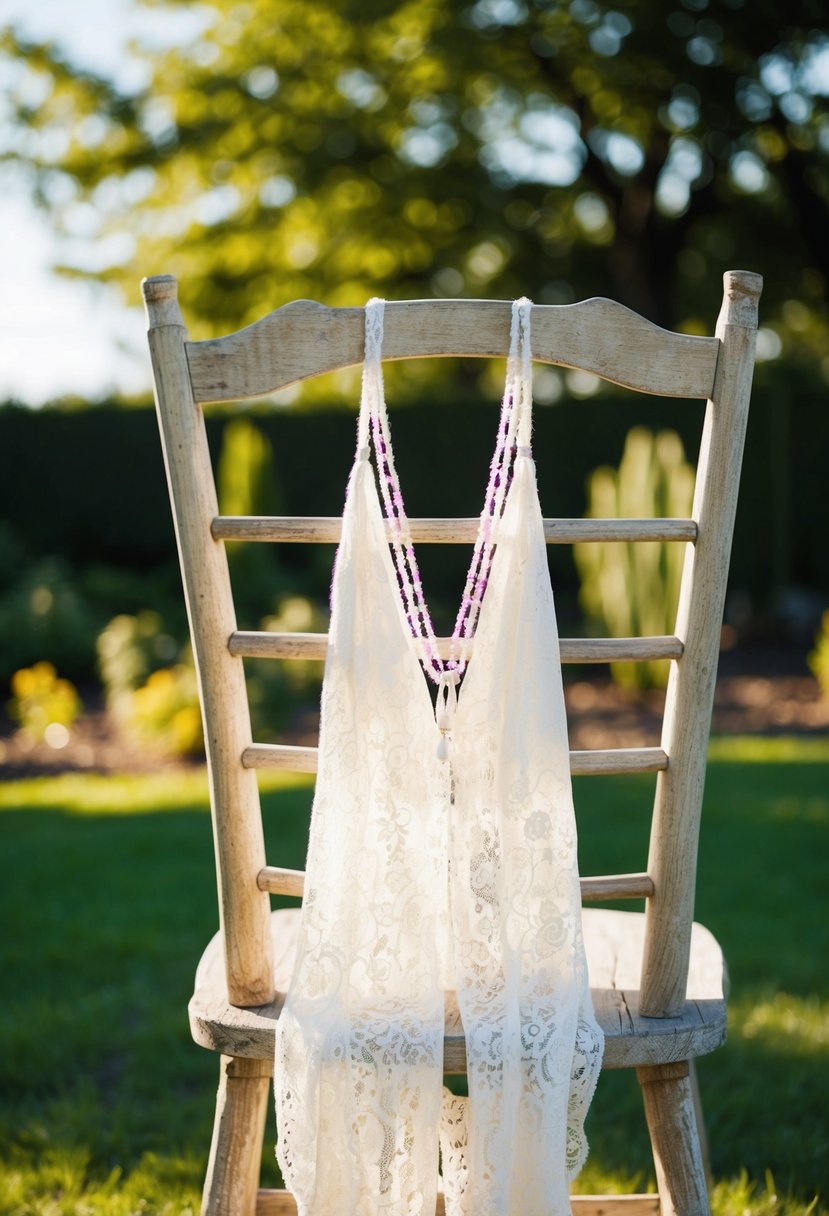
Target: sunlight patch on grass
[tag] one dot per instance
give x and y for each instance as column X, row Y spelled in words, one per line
column 596, row 1179
column 165, row 1187
column 740, row 1196
column 174, row 788
column 61, row 1182
column 121, row 794
column 783, row 1023
column 743, row 1197
column 792, row 808
column 762, row 749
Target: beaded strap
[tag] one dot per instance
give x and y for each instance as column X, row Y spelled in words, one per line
column 513, row 439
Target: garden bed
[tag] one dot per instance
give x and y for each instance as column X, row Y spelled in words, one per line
column 758, row 693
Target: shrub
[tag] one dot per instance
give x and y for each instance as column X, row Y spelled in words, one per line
column 44, row 617
column 633, row 589
column 44, row 704
column 150, row 684
column 278, row 689
column 165, row 713
column 819, row 657
column 247, row 485
column 130, row 648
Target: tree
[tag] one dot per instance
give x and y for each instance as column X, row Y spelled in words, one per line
column 421, row 147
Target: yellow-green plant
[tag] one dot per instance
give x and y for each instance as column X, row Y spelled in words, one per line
column 245, row 473
column 632, row 589
column 44, row 704
column 153, row 704
column 819, row 657
column 247, row 485
column 298, row 614
column 164, row 712
column 129, row 648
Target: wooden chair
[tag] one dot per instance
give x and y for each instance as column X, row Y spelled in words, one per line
column 657, row 978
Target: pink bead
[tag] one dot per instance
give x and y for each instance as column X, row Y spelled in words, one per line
column 405, row 560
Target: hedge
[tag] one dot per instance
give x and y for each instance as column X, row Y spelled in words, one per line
column 88, row 484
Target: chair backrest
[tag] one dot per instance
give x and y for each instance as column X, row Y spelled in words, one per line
column 305, row 339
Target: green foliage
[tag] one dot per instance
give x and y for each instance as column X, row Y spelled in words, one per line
column 153, row 699
column 246, row 476
column 43, row 616
column 819, row 657
column 632, row 589
column 90, row 486
column 12, row 554
column 111, row 590
column 247, row 485
column 278, row 690
column 129, row 649
column 347, row 149
column 165, row 711
column 150, row 683
column 98, row 975
column 44, row 704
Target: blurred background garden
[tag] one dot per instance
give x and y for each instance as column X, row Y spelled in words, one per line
column 267, row 150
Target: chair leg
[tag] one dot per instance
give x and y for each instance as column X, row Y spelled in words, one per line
column 238, row 1131
column 693, row 1077
column 677, row 1153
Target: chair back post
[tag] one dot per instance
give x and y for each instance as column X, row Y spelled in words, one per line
column 678, row 801
column 244, row 910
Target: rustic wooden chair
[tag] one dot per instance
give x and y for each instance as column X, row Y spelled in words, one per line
column 656, row 978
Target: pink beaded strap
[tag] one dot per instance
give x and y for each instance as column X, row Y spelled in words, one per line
column 513, row 439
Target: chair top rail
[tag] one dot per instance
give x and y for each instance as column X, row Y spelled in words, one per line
column 325, row 529
column 304, row 339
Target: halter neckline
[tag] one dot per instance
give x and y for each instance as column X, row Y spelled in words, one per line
column 512, row 443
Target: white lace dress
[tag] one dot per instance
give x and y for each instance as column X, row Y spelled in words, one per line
column 439, row 858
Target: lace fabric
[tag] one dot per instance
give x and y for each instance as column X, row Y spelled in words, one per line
column 426, row 873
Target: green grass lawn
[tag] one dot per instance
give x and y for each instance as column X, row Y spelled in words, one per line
column 107, row 894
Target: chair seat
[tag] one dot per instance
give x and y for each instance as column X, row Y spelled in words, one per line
column 614, row 950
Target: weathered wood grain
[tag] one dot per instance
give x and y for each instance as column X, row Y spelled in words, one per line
column 282, row 1203
column 614, row 950
column 278, row 881
column 675, row 1141
column 305, row 339
column 607, row 762
column 327, row 529
column 259, row 645
column 234, row 795
column 242, row 1104
column 672, row 859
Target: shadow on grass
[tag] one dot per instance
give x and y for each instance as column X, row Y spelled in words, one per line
column 106, row 1101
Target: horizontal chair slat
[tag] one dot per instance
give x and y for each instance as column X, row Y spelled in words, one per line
column 279, row 881
column 321, row 529
column 282, row 1203
column 258, row 645
column 304, row 339
column 582, row 764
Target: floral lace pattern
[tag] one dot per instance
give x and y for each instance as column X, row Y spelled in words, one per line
column 426, row 874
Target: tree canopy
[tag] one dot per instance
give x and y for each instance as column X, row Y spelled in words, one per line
column 337, row 149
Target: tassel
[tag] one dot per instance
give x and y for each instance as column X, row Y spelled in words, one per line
column 447, row 703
